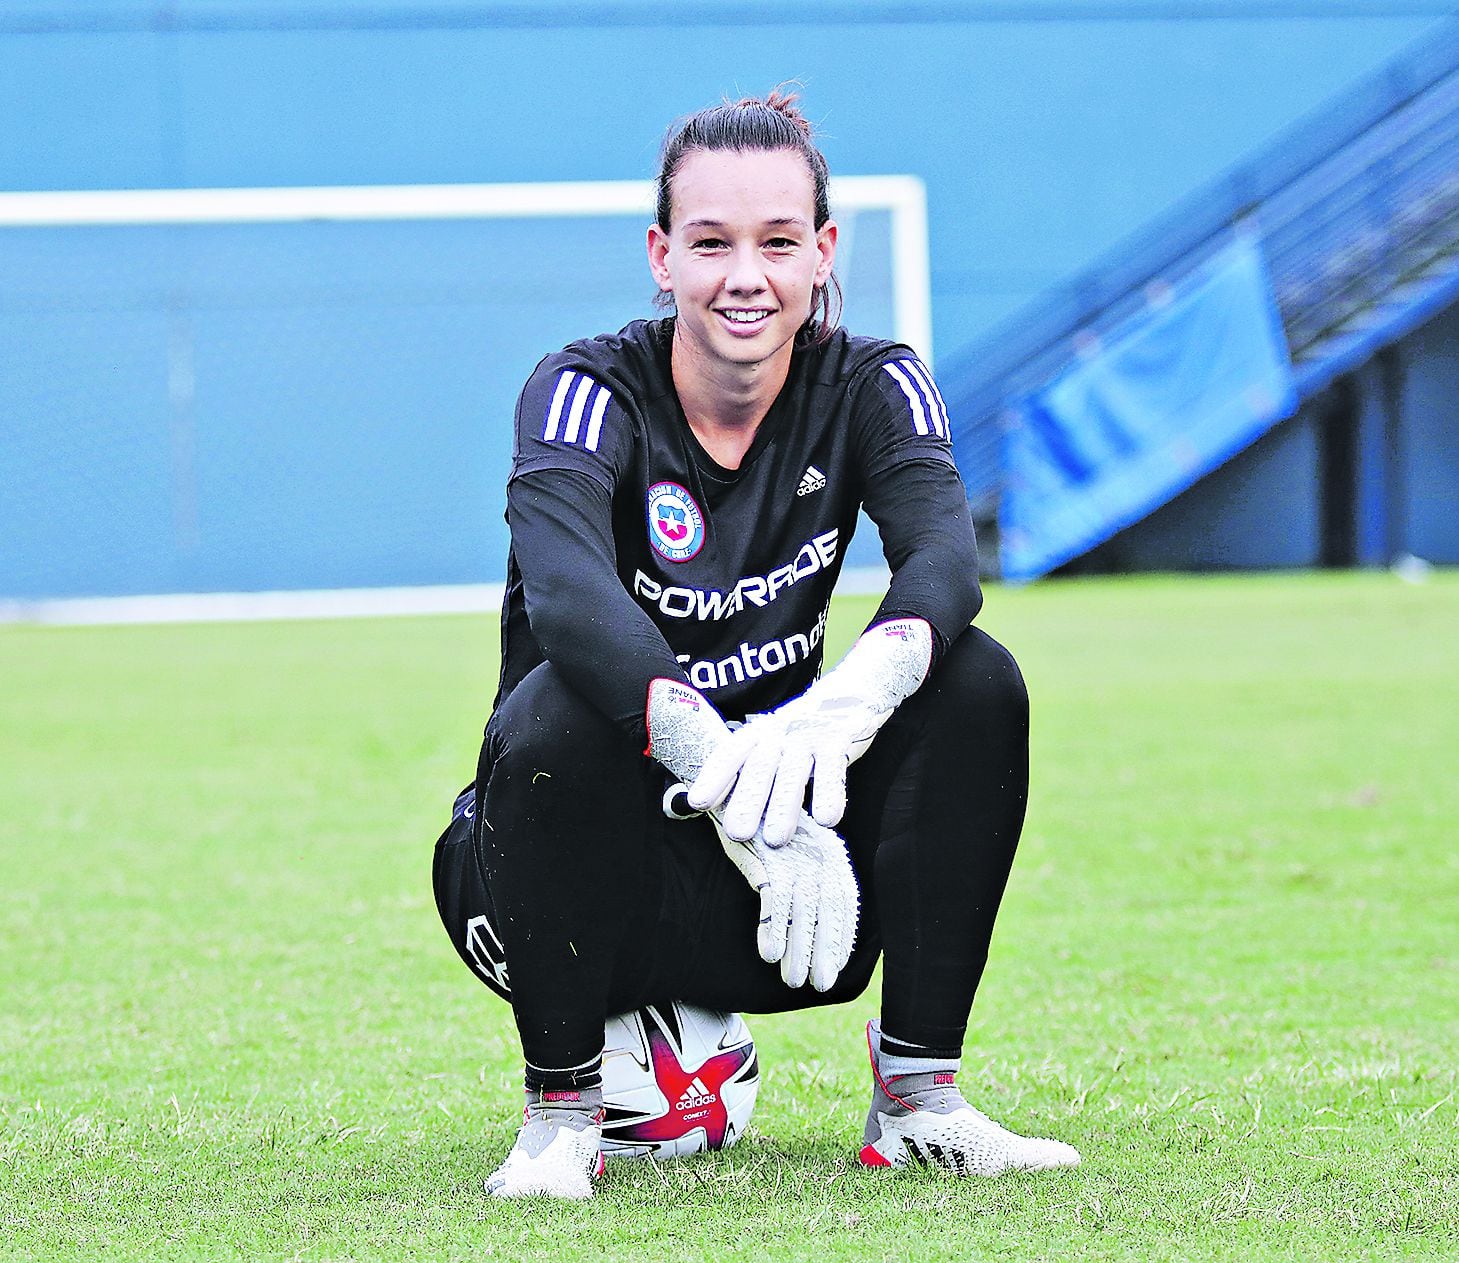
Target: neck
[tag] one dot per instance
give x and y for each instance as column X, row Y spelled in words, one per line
column 725, row 403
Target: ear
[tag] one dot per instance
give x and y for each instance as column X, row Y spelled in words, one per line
column 826, row 247
column 658, row 258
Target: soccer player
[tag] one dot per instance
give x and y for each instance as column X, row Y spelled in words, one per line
column 680, row 500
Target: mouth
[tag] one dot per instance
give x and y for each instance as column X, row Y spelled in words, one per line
column 744, row 321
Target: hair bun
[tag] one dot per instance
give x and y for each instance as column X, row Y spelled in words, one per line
column 783, row 102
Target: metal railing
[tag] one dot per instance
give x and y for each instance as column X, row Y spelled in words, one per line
column 1350, row 204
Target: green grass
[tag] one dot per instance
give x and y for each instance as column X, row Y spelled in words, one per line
column 1227, row 968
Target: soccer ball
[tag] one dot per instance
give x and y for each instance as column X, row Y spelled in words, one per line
column 676, row 1080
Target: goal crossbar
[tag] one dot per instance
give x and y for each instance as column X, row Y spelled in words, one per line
column 904, row 197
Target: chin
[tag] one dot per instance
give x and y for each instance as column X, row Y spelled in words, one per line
column 752, row 350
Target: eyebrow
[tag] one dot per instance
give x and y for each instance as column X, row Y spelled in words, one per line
column 779, row 221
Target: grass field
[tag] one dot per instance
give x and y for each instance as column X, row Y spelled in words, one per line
column 1227, row 968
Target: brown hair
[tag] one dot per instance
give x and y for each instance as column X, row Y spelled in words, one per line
column 752, row 124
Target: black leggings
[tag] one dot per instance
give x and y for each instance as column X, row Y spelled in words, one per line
column 567, row 890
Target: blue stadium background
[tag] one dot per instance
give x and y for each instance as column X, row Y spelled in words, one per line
column 246, row 408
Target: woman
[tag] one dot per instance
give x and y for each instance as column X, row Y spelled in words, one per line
column 680, row 501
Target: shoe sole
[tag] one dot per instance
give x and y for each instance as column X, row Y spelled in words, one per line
column 931, row 1155
column 597, row 1174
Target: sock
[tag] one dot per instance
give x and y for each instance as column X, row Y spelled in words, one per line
column 897, row 1057
column 577, row 1107
column 588, row 1075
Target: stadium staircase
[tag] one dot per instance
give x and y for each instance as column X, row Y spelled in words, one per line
column 1356, row 215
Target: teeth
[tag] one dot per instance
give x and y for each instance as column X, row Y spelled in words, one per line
column 745, row 317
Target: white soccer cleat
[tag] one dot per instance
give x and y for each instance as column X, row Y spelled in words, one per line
column 554, row 1156
column 923, row 1118
column 964, row 1141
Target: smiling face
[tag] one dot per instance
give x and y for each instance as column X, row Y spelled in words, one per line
column 742, row 256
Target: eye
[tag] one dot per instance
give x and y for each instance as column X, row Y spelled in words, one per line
column 708, row 243
column 782, row 243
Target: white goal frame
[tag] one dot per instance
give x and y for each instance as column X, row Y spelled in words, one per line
column 904, row 197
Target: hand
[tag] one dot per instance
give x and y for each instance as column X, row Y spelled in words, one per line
column 808, row 901
column 756, row 777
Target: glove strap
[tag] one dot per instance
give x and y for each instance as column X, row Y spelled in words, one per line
column 683, row 727
column 886, row 665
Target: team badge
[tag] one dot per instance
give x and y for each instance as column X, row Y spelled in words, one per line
column 675, row 525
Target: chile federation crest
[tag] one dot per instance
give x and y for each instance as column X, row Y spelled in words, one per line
column 675, row 524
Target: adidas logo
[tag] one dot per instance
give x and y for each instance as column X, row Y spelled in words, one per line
column 812, row 480
column 695, row 1095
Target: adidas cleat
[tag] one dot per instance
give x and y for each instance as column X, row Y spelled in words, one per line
column 556, row 1155
column 963, row 1141
column 923, row 1119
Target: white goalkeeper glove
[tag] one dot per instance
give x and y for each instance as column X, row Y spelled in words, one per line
column 809, row 898
column 755, row 778
column 808, row 901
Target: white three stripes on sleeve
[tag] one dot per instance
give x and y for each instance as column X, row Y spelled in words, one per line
column 929, row 413
column 576, row 395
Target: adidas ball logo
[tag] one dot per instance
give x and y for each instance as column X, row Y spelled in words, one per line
column 812, row 480
column 696, row 1095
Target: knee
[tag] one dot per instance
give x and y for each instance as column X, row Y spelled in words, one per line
column 978, row 675
column 547, row 721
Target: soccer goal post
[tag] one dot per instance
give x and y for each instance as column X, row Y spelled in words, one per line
column 902, row 197
column 239, row 392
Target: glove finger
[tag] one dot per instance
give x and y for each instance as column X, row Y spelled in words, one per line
column 830, row 955
column 824, row 949
column 782, row 812
column 745, row 807
column 720, row 769
column 852, row 924
column 796, row 966
column 840, row 908
column 845, row 942
column 775, row 915
column 826, row 963
column 769, row 939
column 828, row 789
column 752, row 869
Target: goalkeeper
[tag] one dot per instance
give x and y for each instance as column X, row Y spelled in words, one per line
column 672, row 800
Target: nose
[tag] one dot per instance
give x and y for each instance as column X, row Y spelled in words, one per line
column 745, row 274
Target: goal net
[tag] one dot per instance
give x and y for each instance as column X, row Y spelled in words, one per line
column 305, row 389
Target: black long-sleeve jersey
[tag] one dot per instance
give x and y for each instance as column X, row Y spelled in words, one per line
column 635, row 555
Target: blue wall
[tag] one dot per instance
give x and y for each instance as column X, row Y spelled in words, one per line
column 1260, row 510
column 249, row 408
column 1428, row 447
column 1264, row 508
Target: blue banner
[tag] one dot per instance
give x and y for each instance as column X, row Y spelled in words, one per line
column 1172, row 394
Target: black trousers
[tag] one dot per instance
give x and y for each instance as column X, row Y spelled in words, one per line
column 567, row 891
